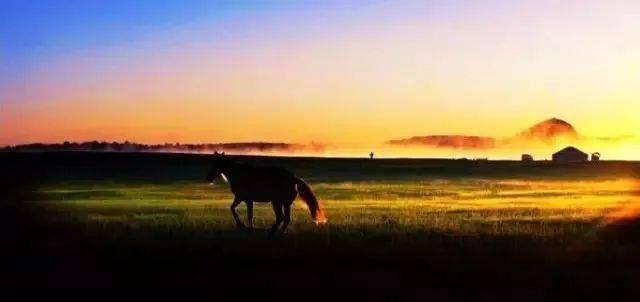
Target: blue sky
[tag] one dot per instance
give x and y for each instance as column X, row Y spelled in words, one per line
column 33, row 30
column 28, row 27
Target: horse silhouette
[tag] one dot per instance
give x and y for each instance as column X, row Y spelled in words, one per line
column 251, row 184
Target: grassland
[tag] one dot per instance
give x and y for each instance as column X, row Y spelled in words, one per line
column 467, row 206
column 110, row 220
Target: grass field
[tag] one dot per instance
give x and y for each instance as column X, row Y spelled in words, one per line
column 152, row 220
column 467, row 206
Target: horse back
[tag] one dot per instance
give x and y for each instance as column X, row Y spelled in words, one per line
column 263, row 184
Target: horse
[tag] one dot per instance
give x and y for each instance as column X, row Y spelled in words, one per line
column 276, row 185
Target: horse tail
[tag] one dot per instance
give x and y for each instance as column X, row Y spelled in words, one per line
column 310, row 199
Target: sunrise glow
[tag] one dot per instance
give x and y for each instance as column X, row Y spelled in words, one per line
column 350, row 75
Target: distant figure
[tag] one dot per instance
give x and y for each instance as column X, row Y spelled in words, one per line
column 570, row 154
column 527, row 158
column 595, row 156
column 264, row 184
column 371, row 155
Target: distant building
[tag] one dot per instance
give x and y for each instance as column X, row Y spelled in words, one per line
column 570, row 154
column 595, row 156
column 527, row 158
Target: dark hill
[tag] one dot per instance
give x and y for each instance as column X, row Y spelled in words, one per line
column 549, row 129
column 545, row 131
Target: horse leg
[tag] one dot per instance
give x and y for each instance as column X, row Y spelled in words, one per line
column 287, row 217
column 250, row 213
column 277, row 209
column 233, row 207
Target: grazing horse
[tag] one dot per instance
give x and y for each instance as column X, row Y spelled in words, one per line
column 251, row 184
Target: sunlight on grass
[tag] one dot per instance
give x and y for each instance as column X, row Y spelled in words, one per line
column 537, row 208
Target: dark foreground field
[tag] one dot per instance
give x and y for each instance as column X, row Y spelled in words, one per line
column 397, row 228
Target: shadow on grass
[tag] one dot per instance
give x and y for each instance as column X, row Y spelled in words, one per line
column 75, row 254
column 79, row 195
column 46, row 253
column 625, row 232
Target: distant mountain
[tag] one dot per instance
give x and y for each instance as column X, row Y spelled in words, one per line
column 545, row 131
column 548, row 130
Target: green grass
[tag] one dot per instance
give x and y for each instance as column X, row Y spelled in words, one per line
column 149, row 220
column 468, row 206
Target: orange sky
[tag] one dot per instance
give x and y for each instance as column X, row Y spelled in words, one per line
column 341, row 76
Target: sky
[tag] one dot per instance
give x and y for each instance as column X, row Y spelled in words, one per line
column 347, row 73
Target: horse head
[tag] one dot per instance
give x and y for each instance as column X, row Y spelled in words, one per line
column 219, row 161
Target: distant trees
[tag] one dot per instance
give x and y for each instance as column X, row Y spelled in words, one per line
column 127, row 146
